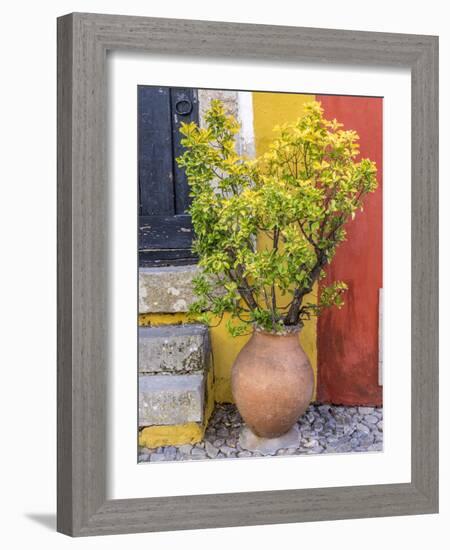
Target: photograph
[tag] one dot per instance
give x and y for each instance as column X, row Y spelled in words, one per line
column 221, row 275
column 260, row 271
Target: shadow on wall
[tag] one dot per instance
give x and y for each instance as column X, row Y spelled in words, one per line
column 46, row 520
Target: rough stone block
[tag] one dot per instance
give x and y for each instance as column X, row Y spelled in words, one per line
column 269, row 446
column 166, row 289
column 168, row 400
column 228, row 97
column 174, row 349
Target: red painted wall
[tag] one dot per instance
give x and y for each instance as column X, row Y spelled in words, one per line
column 347, row 339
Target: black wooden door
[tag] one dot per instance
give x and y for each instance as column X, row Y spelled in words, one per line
column 165, row 229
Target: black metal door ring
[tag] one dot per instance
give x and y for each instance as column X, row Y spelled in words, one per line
column 183, row 107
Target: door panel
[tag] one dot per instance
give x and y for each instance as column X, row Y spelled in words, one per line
column 155, row 152
column 184, row 108
column 165, row 230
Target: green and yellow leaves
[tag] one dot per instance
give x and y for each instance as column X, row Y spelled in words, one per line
column 299, row 194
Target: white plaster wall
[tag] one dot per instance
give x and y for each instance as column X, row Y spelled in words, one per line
column 245, row 116
column 240, row 105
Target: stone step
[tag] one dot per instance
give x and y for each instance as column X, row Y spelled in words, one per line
column 168, row 400
column 166, row 289
column 174, row 349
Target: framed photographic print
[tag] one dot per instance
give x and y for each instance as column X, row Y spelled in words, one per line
column 247, row 274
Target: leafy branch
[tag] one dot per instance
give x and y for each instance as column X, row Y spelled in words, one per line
column 299, row 194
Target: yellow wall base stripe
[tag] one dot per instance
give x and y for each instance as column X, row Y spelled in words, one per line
column 180, row 434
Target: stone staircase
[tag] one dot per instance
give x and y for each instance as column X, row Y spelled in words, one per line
column 176, row 393
column 174, row 363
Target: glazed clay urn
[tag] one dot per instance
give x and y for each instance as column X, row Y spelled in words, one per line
column 272, row 382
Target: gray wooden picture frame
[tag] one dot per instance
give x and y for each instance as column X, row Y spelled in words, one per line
column 83, row 41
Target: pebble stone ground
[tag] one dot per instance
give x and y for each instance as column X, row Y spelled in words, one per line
column 323, row 429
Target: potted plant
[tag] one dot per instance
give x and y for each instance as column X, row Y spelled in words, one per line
column 267, row 228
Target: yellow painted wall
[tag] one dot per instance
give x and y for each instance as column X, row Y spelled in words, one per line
column 272, row 109
column 269, row 110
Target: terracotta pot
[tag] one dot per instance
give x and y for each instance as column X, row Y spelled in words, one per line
column 272, row 382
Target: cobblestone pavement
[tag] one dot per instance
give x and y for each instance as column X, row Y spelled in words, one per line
column 323, row 429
